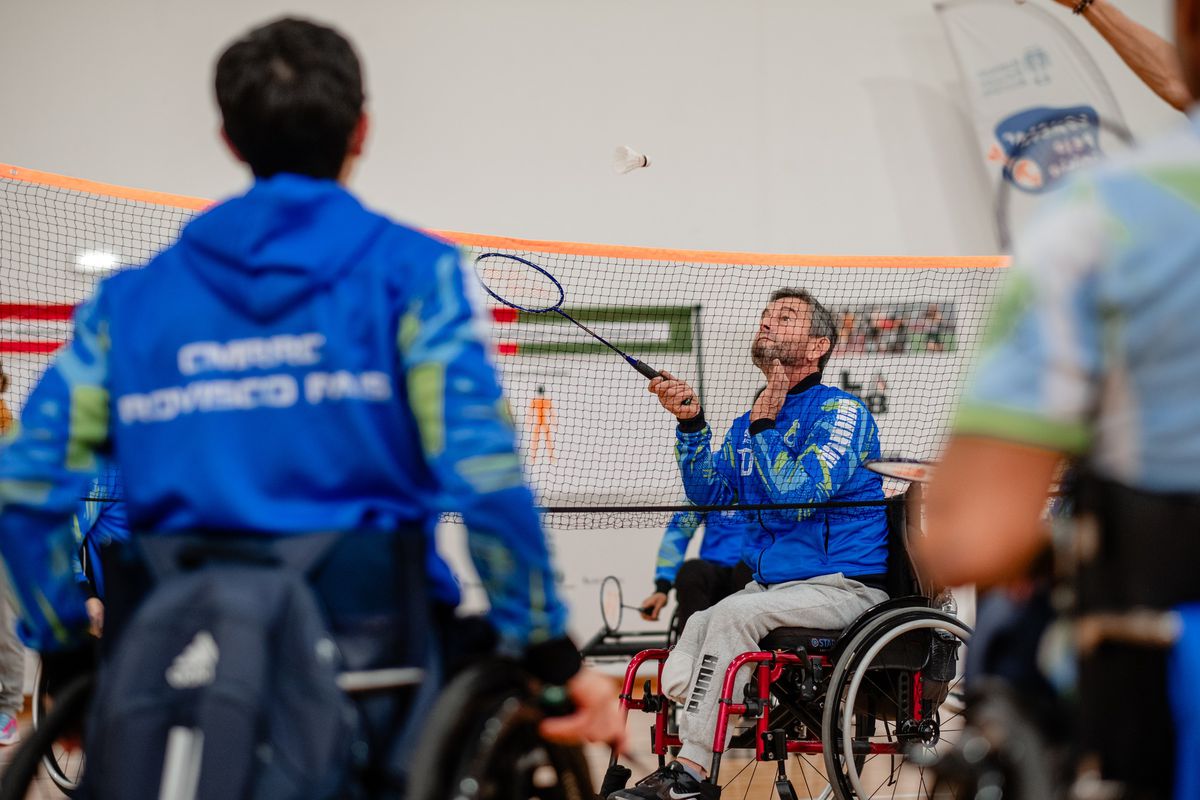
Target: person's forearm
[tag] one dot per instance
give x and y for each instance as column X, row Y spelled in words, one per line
column 1152, row 58
column 983, row 511
column 699, row 468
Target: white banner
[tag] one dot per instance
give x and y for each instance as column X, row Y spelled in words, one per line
column 1041, row 107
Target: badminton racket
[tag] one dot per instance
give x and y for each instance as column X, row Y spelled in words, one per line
column 905, row 469
column 612, row 604
column 519, row 283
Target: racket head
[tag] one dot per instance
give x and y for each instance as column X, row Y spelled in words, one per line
column 518, row 283
column 612, row 603
column 905, row 469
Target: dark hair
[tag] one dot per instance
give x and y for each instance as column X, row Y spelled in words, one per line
column 822, row 323
column 290, row 93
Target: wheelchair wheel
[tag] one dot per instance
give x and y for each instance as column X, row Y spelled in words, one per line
column 482, row 743
column 64, row 759
column 894, row 692
column 46, row 745
column 674, row 629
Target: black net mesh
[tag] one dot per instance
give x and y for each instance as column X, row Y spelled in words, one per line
column 598, row 448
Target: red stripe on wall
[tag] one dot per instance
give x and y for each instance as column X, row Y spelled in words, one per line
column 507, row 348
column 42, row 313
column 29, row 347
column 504, row 315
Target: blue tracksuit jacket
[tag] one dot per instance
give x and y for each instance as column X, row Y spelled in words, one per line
column 294, row 363
column 813, row 453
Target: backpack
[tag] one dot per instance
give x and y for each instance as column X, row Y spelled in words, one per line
column 224, row 683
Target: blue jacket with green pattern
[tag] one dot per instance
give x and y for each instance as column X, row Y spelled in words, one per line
column 293, row 364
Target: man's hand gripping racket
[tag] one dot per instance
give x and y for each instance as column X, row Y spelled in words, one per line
column 674, row 395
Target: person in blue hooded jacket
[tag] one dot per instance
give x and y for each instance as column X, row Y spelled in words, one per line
column 802, row 442
column 294, row 363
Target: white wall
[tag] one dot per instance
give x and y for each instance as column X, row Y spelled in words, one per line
column 831, row 126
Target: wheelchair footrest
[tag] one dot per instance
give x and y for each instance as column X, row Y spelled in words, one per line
column 783, row 787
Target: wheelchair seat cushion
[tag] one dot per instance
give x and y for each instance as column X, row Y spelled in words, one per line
column 814, row 640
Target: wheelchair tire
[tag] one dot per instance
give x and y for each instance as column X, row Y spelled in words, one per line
column 67, row 713
column 674, row 629
column 482, row 743
column 63, row 765
column 891, row 649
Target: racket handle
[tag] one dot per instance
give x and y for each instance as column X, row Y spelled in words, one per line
column 645, row 369
column 651, row 372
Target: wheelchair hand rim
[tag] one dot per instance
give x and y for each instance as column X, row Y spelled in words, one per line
column 955, row 627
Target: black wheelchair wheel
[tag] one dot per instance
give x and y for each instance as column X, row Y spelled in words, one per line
column 64, row 760
column 65, row 718
column 905, row 659
column 674, row 629
column 482, row 743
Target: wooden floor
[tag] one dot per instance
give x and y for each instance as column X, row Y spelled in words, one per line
column 742, row 778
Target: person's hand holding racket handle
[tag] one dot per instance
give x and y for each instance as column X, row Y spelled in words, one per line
column 674, row 395
column 653, row 605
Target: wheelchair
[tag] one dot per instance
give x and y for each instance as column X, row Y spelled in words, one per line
column 854, row 713
column 480, row 740
column 63, row 757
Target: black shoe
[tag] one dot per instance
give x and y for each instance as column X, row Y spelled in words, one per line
column 671, row 782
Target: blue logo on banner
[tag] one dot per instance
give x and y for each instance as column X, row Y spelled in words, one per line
column 1041, row 146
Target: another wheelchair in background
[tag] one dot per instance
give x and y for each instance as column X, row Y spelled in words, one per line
column 615, row 643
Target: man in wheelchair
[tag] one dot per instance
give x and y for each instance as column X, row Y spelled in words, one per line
column 295, row 368
column 802, row 443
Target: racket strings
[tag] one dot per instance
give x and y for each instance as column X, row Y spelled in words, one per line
column 612, row 602
column 518, row 284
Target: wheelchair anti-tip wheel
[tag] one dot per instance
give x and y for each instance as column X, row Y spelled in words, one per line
column 895, row 690
column 482, row 743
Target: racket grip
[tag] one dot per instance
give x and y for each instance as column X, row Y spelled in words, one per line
column 645, row 369
column 651, row 372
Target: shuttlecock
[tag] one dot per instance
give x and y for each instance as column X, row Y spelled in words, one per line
column 626, row 159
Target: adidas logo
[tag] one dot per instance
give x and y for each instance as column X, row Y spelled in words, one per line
column 196, row 665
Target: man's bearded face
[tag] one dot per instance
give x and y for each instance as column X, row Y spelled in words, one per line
column 783, row 333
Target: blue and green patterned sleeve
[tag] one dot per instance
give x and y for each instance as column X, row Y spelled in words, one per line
column 44, row 471
column 814, row 468
column 674, row 545
column 467, row 438
column 709, row 479
column 1037, row 378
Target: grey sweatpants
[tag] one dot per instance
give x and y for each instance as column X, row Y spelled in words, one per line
column 696, row 667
